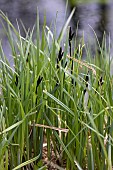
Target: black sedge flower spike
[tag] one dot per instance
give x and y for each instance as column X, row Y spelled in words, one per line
column 70, row 36
column 16, row 80
column 38, row 82
column 60, row 55
column 70, row 39
column 100, row 82
column 27, row 58
column 86, row 79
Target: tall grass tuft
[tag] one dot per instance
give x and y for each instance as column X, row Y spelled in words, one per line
column 55, row 108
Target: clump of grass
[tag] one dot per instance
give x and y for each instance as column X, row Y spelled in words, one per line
column 54, row 102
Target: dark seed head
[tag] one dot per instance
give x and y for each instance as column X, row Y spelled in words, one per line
column 38, row 82
column 87, row 78
column 100, row 82
column 60, row 55
column 70, row 35
column 27, row 60
column 16, row 81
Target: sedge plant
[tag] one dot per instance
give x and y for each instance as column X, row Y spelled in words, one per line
column 55, row 108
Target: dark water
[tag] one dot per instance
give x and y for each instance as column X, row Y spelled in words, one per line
column 96, row 16
column 26, row 11
column 99, row 16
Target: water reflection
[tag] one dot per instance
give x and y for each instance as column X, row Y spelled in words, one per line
column 26, row 11
column 98, row 16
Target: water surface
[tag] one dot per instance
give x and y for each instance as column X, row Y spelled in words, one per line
column 97, row 15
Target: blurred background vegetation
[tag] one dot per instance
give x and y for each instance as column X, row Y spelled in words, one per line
column 96, row 13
